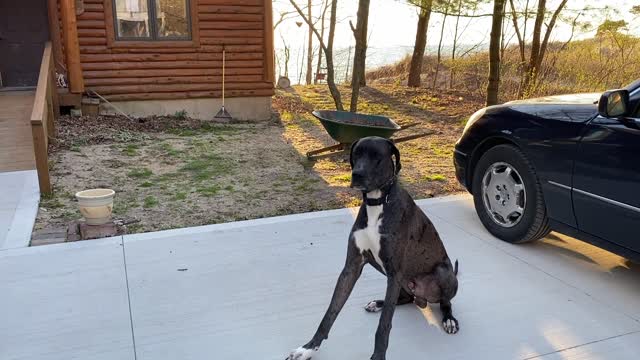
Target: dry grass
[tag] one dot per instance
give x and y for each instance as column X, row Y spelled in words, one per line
column 177, row 172
column 609, row 61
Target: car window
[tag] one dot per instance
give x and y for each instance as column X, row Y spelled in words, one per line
column 634, row 99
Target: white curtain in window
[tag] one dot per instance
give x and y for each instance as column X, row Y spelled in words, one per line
column 131, row 6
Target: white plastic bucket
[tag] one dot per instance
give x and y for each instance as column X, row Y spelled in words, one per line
column 96, row 205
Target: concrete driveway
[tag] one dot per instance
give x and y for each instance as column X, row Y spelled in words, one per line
column 257, row 289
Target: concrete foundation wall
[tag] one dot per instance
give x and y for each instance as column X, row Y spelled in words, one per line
column 246, row 108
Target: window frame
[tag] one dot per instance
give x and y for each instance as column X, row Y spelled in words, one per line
column 153, row 41
column 634, row 97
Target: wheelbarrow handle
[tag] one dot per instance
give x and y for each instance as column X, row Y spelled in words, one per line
column 411, row 137
column 402, row 127
column 328, row 148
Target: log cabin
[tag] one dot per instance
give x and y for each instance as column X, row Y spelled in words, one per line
column 146, row 57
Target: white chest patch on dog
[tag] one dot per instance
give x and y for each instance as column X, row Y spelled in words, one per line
column 369, row 237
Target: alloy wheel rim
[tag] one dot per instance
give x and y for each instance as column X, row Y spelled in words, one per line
column 503, row 194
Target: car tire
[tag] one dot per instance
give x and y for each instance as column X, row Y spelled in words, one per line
column 500, row 169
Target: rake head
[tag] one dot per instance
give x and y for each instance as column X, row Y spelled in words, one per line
column 223, row 114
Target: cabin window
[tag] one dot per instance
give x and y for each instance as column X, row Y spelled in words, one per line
column 152, row 20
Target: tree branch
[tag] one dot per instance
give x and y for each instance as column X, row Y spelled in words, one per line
column 322, row 44
column 547, row 34
column 517, row 28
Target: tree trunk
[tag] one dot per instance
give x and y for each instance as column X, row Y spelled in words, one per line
column 328, row 50
column 514, row 18
column 287, row 55
column 363, row 78
column 359, row 58
column 538, row 47
column 325, row 5
column 346, row 73
column 415, row 70
column 531, row 68
column 547, row 35
column 494, row 53
column 309, row 47
column 444, row 20
column 301, row 61
column 455, row 44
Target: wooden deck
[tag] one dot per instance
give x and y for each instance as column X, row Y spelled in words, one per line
column 16, row 144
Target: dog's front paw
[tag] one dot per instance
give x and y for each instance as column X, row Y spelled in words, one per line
column 302, row 353
column 374, row 306
column 450, row 325
column 378, row 357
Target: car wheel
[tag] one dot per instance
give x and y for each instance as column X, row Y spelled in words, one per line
column 508, row 197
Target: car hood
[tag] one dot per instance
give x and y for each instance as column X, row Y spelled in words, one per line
column 572, row 107
column 577, row 99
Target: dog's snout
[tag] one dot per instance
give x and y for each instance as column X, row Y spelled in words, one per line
column 357, row 178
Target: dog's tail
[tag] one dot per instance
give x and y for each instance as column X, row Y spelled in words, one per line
column 455, row 268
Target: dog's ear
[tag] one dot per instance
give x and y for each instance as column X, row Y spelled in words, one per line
column 353, row 146
column 396, row 153
column 412, row 285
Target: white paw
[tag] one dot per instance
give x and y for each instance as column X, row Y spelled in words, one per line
column 450, row 326
column 372, row 307
column 302, row 354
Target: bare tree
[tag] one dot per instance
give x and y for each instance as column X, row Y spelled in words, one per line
column 446, row 5
column 539, row 46
column 415, row 70
column 465, row 8
column 328, row 50
column 309, row 46
column 359, row 58
column 494, row 52
column 455, row 44
column 285, row 15
column 520, row 35
column 287, row 57
column 325, row 6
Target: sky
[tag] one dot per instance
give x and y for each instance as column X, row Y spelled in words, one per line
column 392, row 26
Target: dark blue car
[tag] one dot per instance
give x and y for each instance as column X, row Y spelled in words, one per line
column 567, row 163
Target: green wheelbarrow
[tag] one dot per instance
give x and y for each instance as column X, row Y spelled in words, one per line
column 347, row 127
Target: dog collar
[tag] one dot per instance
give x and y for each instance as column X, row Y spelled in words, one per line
column 384, row 198
column 376, row 202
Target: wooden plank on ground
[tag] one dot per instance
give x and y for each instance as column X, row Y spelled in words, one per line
column 16, row 149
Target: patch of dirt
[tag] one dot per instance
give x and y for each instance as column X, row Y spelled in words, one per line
column 173, row 172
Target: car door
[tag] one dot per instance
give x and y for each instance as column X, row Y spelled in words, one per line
column 606, row 179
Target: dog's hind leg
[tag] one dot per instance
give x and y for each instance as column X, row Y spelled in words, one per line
column 348, row 277
column 376, row 305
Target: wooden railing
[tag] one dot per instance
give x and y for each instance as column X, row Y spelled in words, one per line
column 43, row 117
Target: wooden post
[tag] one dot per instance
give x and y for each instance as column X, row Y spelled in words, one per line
column 53, row 104
column 42, row 118
column 54, row 31
column 71, row 46
column 269, row 54
column 40, row 149
column 54, row 90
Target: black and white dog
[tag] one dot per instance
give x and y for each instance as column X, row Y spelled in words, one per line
column 394, row 236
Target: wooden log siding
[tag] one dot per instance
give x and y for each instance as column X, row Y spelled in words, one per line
column 153, row 70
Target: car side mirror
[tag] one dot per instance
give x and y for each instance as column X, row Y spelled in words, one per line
column 614, row 103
